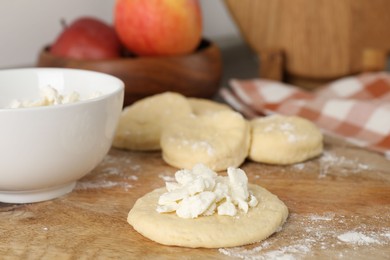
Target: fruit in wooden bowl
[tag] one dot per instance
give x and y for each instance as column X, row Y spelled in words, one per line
column 158, row 27
column 87, row 38
column 196, row 74
column 161, row 49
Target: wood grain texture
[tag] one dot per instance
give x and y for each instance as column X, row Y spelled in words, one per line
column 322, row 40
column 347, row 189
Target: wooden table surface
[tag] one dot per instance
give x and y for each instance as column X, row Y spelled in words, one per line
column 339, row 208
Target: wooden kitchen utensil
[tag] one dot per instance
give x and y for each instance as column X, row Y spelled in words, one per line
column 309, row 42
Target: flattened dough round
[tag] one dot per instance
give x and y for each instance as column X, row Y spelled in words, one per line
column 141, row 123
column 219, row 140
column 201, row 106
column 284, row 140
column 209, row 231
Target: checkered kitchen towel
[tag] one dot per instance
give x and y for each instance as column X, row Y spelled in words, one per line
column 356, row 108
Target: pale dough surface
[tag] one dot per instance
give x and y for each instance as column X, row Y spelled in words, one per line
column 212, row 231
column 219, row 140
column 284, row 140
column 202, row 106
column 141, row 123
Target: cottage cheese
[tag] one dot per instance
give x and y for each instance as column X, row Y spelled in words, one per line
column 49, row 97
column 202, row 192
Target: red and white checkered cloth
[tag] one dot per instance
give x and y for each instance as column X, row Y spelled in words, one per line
column 356, row 108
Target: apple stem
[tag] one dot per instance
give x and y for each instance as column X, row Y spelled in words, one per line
column 63, row 23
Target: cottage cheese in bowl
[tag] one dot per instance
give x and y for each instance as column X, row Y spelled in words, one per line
column 49, row 97
column 54, row 129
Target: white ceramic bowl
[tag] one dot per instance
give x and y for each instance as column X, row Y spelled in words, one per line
column 45, row 150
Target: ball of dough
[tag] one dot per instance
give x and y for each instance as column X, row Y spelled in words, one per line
column 141, row 123
column 284, row 140
column 209, row 231
column 202, row 106
column 218, row 140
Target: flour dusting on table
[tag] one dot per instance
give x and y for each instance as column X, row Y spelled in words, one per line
column 167, row 177
column 357, row 238
column 102, row 184
column 325, row 232
column 330, row 160
column 115, row 171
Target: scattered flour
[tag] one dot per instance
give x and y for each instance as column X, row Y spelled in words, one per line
column 326, row 233
column 326, row 217
column 133, row 177
column 286, row 128
column 329, row 163
column 111, row 171
column 329, row 160
column 167, row 178
column 102, row 184
column 204, row 145
column 110, row 159
column 115, row 171
column 284, row 253
column 357, row 238
column 299, row 166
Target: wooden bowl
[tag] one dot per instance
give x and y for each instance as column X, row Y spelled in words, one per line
column 194, row 75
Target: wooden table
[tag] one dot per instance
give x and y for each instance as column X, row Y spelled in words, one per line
column 339, row 208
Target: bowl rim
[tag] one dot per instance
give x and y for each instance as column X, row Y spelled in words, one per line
column 205, row 44
column 120, row 88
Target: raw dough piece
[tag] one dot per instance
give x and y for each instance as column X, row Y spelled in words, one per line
column 140, row 124
column 209, row 231
column 218, row 140
column 202, row 106
column 284, row 140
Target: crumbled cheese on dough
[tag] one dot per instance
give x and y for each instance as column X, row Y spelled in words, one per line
column 202, row 192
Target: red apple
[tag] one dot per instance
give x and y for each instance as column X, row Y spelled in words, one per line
column 87, row 38
column 158, row 27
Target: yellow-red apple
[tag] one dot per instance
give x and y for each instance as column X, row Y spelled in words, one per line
column 87, row 38
column 158, row 27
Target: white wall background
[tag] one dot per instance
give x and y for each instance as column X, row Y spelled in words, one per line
column 28, row 25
